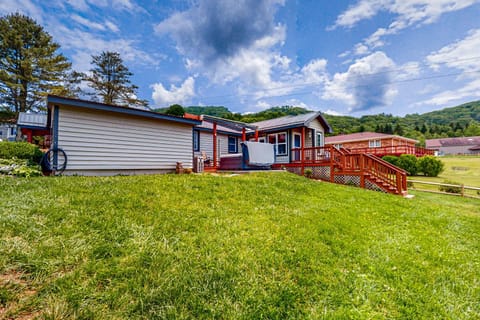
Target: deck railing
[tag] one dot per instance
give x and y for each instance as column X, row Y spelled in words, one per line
column 395, row 150
column 366, row 166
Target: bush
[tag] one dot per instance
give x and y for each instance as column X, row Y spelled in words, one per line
column 430, row 166
column 19, row 168
column 20, row 150
column 391, row 159
column 450, row 189
column 308, row 173
column 408, row 162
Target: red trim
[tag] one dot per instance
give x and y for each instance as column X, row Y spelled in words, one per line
column 215, row 145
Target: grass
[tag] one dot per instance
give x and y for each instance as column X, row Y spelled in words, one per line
column 259, row 246
column 458, row 169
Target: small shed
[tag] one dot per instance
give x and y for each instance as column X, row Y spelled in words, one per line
column 459, row 145
column 102, row 139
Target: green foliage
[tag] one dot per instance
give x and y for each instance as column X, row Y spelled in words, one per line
column 308, row 173
column 19, row 168
column 430, row 166
column 453, row 187
column 30, row 66
column 20, row 150
column 189, row 247
column 175, row 110
column 392, row 159
column 110, row 79
column 408, row 163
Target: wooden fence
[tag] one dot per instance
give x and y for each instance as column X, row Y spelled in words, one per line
column 463, row 190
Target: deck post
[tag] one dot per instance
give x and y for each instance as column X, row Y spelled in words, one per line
column 399, row 183
column 215, row 145
column 332, row 163
column 302, row 152
column 244, row 135
column 256, row 135
column 362, row 171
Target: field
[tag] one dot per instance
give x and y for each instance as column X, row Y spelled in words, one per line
column 257, row 246
column 459, row 170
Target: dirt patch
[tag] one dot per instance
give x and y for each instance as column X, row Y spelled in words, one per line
column 18, row 290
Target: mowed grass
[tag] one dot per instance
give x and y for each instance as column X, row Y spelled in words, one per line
column 458, row 169
column 258, row 246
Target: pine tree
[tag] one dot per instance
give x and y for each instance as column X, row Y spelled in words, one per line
column 30, row 67
column 110, row 79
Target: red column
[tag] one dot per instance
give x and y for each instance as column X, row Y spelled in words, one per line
column 244, row 135
column 256, row 135
column 215, row 145
column 302, row 152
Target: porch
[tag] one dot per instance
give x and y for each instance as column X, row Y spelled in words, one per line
column 395, row 151
column 345, row 167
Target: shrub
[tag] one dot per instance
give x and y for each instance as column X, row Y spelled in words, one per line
column 430, row 166
column 408, row 162
column 20, row 150
column 308, row 173
column 450, row 189
column 19, row 168
column 391, row 159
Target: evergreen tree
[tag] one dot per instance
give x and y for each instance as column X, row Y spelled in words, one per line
column 423, row 129
column 110, row 79
column 30, row 67
column 398, row 130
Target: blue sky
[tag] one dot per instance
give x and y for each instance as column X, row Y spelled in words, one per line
column 339, row 57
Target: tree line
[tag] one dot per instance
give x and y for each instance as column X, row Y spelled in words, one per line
column 31, row 67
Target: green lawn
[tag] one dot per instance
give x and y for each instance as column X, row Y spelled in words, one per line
column 259, row 246
column 458, row 169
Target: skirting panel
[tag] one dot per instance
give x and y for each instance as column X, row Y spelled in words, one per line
column 348, row 180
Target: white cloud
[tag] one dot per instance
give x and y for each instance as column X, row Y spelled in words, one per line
column 365, row 85
column 87, row 23
column 407, row 13
column 462, row 54
column 471, row 91
column 163, row 97
column 112, row 26
column 25, row 7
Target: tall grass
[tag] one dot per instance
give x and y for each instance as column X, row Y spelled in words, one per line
column 268, row 245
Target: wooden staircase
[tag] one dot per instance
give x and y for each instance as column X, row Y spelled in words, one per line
column 347, row 167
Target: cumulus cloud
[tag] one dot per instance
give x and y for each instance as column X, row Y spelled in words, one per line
column 407, row 13
column 163, row 97
column 365, row 85
column 217, row 29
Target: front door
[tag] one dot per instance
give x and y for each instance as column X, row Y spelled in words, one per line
column 297, row 144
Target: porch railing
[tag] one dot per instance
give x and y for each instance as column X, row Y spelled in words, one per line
column 367, row 166
column 395, row 150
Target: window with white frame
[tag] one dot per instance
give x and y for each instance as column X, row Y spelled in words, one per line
column 338, row 145
column 196, row 140
column 374, row 143
column 232, row 144
column 319, row 142
column 280, row 142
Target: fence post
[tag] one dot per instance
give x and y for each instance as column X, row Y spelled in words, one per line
column 463, row 190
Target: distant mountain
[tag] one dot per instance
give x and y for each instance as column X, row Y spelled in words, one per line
column 462, row 120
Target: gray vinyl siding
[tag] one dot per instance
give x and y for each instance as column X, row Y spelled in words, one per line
column 206, row 144
column 317, row 127
column 96, row 140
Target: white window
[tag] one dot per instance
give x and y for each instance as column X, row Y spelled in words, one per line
column 319, row 142
column 374, row 143
column 338, row 145
column 280, row 142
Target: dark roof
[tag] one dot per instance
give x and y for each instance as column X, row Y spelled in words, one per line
column 475, row 148
column 232, row 124
column 54, row 100
column 208, row 126
column 361, row 136
column 453, row 142
column 287, row 122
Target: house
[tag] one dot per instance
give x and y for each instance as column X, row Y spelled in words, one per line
column 8, row 130
column 34, row 125
column 289, row 134
column 101, row 139
column 379, row 144
column 460, row 145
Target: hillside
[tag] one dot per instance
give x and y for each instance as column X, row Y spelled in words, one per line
column 256, row 246
column 462, row 120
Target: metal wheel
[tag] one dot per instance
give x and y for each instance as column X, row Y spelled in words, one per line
column 54, row 160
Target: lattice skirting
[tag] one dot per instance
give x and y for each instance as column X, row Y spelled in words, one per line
column 348, row 180
column 322, row 173
column 372, row 186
